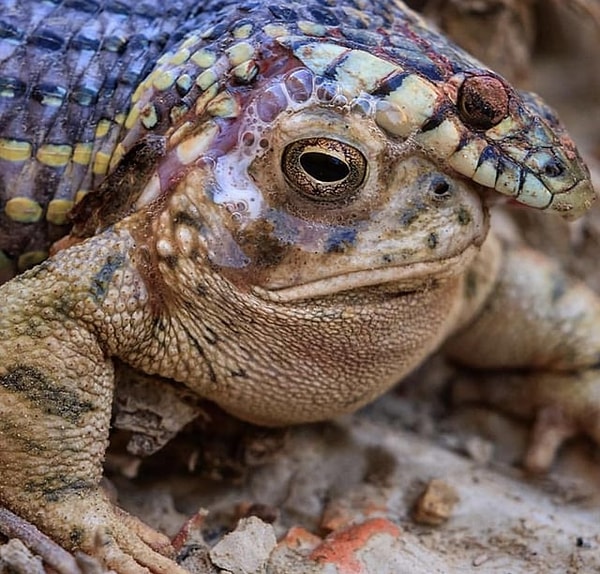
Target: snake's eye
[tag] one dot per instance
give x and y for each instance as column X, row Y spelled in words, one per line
column 482, row 102
column 323, row 169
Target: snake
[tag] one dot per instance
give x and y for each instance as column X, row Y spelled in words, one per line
column 88, row 86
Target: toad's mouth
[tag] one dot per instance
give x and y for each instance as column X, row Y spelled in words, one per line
column 404, row 278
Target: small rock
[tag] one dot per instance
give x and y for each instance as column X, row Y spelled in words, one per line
column 246, row 549
column 480, row 560
column 16, row 558
column 436, row 503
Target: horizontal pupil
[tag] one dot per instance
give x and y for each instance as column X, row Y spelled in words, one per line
column 324, row 167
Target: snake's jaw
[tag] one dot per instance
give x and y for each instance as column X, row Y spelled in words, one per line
column 552, row 176
column 574, row 202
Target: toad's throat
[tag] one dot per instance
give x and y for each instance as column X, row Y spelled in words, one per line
column 404, row 277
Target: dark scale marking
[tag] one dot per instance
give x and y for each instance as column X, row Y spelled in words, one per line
column 81, row 42
column 428, row 69
column 211, row 372
column 111, row 82
column 46, row 395
column 434, row 121
column 463, row 216
column 245, row 22
column 216, row 31
column 505, row 165
column 182, row 89
column 390, row 84
column 14, row 85
column 432, row 240
column 118, row 7
column 47, row 39
column 102, row 279
column 324, row 16
column 210, row 336
column 362, row 37
column 340, row 240
column 56, row 487
column 8, row 31
column 490, row 153
column 465, row 139
column 523, row 173
column 133, row 76
column 138, row 42
column 84, row 96
column 283, row 13
column 43, row 91
column 89, row 6
column 239, row 373
column 115, row 44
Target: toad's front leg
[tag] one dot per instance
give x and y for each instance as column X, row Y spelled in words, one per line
column 56, row 386
column 541, row 328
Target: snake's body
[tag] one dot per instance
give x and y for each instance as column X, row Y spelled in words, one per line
column 83, row 82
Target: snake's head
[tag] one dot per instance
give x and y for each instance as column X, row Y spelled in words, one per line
column 565, row 173
column 505, row 140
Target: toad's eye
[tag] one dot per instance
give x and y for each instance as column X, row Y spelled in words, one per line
column 323, row 169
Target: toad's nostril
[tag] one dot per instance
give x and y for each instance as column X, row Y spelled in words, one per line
column 440, row 188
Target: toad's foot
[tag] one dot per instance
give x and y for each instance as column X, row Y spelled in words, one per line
column 540, row 329
column 561, row 404
column 89, row 523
